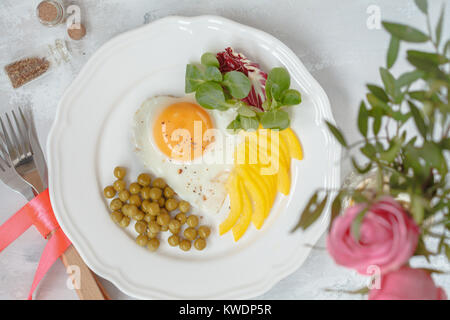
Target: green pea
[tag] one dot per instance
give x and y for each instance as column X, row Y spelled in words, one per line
column 115, row 204
column 148, row 218
column 171, row 204
column 163, row 219
column 119, row 185
column 155, row 193
column 174, row 240
column 190, row 233
column 124, row 195
column 200, row 244
column 135, row 200
column 192, row 221
column 120, row 172
column 154, row 209
column 139, row 215
column 204, row 232
column 154, row 227
column 135, row 188
column 145, row 193
column 153, row 244
column 174, row 226
column 125, row 222
column 109, row 192
column 168, row 192
column 144, row 179
column 181, row 217
column 159, row 183
column 116, row 216
column 140, row 227
column 184, row 206
column 185, row 245
column 141, row 240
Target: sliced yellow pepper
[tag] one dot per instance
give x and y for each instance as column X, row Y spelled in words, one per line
column 256, row 196
column 277, row 151
column 244, row 221
column 271, row 191
column 264, row 186
column 284, row 181
column 235, row 192
column 284, row 151
column 259, row 179
column 253, row 187
column 295, row 148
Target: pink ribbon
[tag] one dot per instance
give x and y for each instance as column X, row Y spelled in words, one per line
column 37, row 212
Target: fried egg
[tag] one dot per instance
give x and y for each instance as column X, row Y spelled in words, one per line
column 188, row 146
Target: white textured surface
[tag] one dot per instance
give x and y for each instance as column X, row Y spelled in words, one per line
column 331, row 40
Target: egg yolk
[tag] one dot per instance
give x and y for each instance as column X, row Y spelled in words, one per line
column 178, row 131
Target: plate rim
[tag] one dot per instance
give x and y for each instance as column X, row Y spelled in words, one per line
column 114, row 276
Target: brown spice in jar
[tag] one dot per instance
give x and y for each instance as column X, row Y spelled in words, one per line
column 47, row 11
column 76, row 31
column 25, row 70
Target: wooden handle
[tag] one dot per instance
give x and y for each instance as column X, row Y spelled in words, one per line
column 90, row 287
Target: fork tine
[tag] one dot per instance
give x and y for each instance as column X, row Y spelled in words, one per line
column 12, row 153
column 25, row 121
column 14, row 137
column 24, row 136
column 3, row 163
column 2, row 147
column 3, row 155
column 28, row 123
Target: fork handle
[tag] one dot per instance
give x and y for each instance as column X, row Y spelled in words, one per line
column 33, row 178
column 90, row 287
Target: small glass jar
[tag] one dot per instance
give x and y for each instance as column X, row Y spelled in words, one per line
column 50, row 12
column 368, row 183
column 37, row 63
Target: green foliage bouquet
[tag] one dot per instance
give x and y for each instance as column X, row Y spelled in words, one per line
column 387, row 221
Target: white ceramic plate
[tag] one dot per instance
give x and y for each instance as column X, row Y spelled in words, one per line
column 92, row 134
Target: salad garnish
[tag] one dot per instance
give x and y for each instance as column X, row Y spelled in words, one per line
column 229, row 80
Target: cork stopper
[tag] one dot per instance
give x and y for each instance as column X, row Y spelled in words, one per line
column 76, row 31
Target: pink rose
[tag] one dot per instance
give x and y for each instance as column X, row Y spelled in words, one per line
column 407, row 284
column 388, row 237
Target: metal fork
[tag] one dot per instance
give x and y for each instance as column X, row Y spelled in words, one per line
column 27, row 163
column 10, row 177
column 17, row 140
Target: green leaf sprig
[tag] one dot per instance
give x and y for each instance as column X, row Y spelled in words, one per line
column 214, row 90
column 278, row 96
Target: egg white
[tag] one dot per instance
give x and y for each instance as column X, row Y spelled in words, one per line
column 201, row 181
